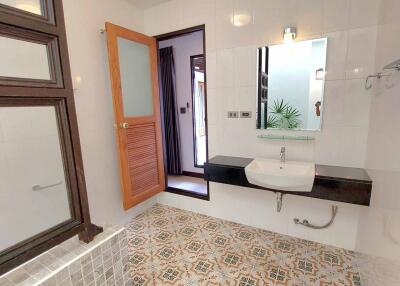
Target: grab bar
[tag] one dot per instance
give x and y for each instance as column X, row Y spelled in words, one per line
column 41, row 188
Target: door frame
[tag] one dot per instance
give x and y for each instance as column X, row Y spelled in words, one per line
column 167, row 36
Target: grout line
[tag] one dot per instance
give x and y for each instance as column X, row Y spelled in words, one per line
column 79, row 256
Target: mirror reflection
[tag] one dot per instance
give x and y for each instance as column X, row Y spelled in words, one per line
column 31, row 6
column 291, row 79
column 31, row 173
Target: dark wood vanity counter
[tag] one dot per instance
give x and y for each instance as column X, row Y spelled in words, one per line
column 342, row 184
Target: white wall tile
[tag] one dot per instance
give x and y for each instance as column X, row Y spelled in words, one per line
column 211, row 66
column 361, row 52
column 269, row 22
column 225, row 68
column 389, row 12
column 364, row 13
column 336, row 15
column 198, row 12
column 212, row 106
column 307, row 16
column 245, row 63
column 336, row 55
column 224, row 30
column 356, row 104
column 388, row 44
column 333, row 108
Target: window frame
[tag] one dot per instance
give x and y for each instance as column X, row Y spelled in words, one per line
column 192, row 75
column 45, row 5
column 25, row 92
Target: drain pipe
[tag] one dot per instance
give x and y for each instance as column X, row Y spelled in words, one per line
column 306, row 223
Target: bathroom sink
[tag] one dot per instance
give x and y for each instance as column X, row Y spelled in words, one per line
column 289, row 176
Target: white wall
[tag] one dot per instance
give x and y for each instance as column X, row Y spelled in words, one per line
column 351, row 29
column 184, row 47
column 88, row 57
column 381, row 222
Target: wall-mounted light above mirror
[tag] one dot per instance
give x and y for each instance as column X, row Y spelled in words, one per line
column 291, row 80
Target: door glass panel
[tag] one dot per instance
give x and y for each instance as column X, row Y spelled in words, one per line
column 134, row 63
column 33, row 190
column 23, row 59
column 31, row 6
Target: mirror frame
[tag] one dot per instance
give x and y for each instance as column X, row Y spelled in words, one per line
column 62, row 98
column 260, row 80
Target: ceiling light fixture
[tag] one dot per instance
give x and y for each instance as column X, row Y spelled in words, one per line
column 241, row 19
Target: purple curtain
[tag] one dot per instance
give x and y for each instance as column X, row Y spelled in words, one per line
column 170, row 112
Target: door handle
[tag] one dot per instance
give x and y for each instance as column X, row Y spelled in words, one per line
column 122, row 125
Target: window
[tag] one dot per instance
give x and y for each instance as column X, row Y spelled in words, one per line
column 199, row 114
column 43, row 197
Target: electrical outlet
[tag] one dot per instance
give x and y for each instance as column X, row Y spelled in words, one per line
column 245, row 114
column 233, row 114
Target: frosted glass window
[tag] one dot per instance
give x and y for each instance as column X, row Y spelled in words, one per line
column 134, row 63
column 31, row 6
column 23, row 59
column 33, row 189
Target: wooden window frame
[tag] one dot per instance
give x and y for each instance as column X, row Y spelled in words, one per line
column 32, row 93
column 53, row 55
column 47, row 11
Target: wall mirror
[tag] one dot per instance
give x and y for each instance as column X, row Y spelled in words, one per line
column 291, row 80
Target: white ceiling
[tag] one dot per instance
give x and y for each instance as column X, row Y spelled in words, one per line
column 145, row 4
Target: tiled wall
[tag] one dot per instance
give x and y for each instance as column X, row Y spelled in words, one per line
column 381, row 222
column 101, row 262
column 351, row 28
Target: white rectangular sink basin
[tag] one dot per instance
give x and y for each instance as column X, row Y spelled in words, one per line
column 289, row 176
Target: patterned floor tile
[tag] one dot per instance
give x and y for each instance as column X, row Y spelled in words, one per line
column 169, row 246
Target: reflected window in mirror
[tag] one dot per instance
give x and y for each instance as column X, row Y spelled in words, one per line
column 291, row 80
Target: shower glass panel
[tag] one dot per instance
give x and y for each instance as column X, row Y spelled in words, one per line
column 136, row 84
column 30, row 6
column 23, row 59
column 34, row 195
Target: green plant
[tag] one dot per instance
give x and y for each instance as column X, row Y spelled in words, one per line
column 272, row 122
column 283, row 116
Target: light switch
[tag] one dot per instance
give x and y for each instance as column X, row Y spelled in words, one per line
column 233, row 114
column 245, row 114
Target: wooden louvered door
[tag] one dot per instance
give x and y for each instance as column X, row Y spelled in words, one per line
column 133, row 69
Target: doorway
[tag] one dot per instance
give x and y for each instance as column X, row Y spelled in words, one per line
column 183, row 97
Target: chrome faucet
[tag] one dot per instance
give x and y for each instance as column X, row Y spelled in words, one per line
column 283, row 154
